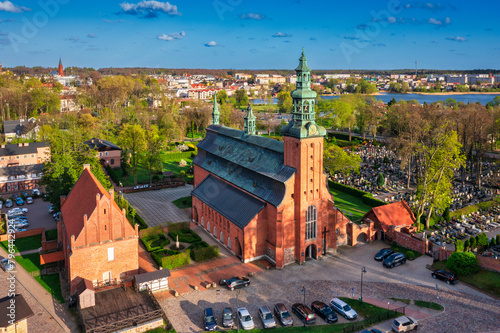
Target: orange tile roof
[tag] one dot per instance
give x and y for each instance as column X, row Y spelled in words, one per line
column 51, row 257
column 82, row 200
column 396, row 214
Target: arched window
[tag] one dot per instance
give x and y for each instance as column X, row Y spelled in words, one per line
column 229, row 242
column 215, row 231
column 221, row 237
column 202, row 222
column 311, row 222
column 208, row 226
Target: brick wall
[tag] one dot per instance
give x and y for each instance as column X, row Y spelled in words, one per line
column 23, row 234
column 490, row 264
column 408, row 241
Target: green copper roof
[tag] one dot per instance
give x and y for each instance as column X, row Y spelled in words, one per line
column 215, row 113
column 303, row 64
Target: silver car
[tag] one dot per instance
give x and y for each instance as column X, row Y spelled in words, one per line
column 7, row 264
column 245, row 319
column 343, row 308
column 404, row 324
column 267, row 317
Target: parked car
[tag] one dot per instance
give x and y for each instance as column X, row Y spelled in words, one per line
column 29, row 200
column 17, row 210
column 35, row 193
column 324, row 311
column 19, row 201
column 8, row 203
column 227, row 318
column 1, row 204
column 245, row 319
column 19, row 229
column 283, row 315
column 209, row 319
column 7, row 264
column 52, row 209
column 404, row 324
column 56, row 216
column 373, row 330
column 304, row 313
column 235, row 282
column 24, row 193
column 394, row 260
column 382, row 254
column 343, row 308
column 441, row 274
column 18, row 224
column 267, row 317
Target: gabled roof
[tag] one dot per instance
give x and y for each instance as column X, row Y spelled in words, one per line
column 396, row 214
column 100, row 144
column 81, row 200
column 23, row 310
column 15, row 149
column 229, row 201
column 150, row 276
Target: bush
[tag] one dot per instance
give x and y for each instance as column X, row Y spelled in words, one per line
column 171, row 258
column 482, row 240
column 196, row 246
column 178, row 226
column 459, row 246
column 112, row 174
column 498, row 239
column 463, row 263
column 154, row 243
column 472, row 243
column 206, row 253
column 153, row 231
column 493, row 241
column 410, row 255
column 185, row 236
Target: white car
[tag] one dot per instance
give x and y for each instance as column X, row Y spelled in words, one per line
column 18, row 224
column 404, row 324
column 343, row 308
column 245, row 319
column 36, row 193
column 7, row 264
column 17, row 210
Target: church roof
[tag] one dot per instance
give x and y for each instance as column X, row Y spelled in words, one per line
column 396, row 214
column 252, row 163
column 232, row 203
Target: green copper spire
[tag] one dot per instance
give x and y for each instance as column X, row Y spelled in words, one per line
column 303, row 122
column 249, row 122
column 215, row 113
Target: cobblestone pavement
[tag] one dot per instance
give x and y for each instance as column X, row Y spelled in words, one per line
column 156, row 207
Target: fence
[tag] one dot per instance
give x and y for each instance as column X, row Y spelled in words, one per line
column 355, row 327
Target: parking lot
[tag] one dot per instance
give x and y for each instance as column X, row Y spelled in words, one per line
column 38, row 214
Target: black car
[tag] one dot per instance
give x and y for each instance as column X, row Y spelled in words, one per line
column 235, row 282
column 373, row 330
column 209, row 320
column 382, row 254
column 394, row 260
column 449, row 277
column 283, row 315
column 227, row 317
column 304, row 313
column 324, row 311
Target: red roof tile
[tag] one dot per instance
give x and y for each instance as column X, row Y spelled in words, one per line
column 396, row 214
column 51, row 257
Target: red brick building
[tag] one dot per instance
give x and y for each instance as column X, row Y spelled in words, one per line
column 266, row 198
column 99, row 243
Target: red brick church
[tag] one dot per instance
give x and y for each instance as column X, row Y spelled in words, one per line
column 266, row 198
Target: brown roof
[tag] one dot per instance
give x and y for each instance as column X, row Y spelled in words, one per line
column 82, row 200
column 83, row 285
column 22, row 310
column 51, row 257
column 394, row 214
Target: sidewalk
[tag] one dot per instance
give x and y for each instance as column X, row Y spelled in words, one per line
column 58, row 311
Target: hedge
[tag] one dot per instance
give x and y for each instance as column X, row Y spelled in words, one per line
column 112, row 174
column 463, row 263
column 171, row 258
column 123, row 204
column 196, row 246
column 178, row 226
column 367, row 198
column 154, row 243
column 371, row 201
column 185, row 236
column 177, row 156
column 152, row 231
column 206, row 253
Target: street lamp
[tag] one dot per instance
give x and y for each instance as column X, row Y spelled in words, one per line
column 304, row 291
column 363, row 270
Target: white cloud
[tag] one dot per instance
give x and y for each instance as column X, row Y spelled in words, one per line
column 149, row 8
column 7, row 6
column 253, row 16
column 457, row 39
column 172, row 36
column 211, row 44
column 391, row 19
column 281, row 35
column 91, row 36
column 434, row 21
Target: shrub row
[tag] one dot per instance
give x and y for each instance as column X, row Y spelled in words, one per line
column 171, row 258
column 185, row 236
column 367, row 198
column 178, row 226
column 132, row 215
column 206, row 253
column 196, row 246
column 152, row 231
column 371, row 201
column 154, row 243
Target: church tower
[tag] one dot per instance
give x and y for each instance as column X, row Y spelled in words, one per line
column 215, row 112
column 249, row 126
column 60, row 70
column 303, row 151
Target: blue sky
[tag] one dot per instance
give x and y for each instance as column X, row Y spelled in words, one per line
column 257, row 34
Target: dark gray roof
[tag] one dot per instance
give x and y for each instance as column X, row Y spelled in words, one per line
column 100, row 144
column 229, row 201
column 18, row 126
column 155, row 275
column 23, row 310
column 253, row 163
column 22, row 170
column 14, row 149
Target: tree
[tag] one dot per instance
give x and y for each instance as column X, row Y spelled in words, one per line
column 482, row 240
column 132, row 139
column 463, row 263
column 467, row 245
column 221, row 96
column 380, row 180
column 285, row 102
column 446, row 214
column 154, row 148
column 241, row 97
column 459, row 246
column 498, row 239
column 337, row 160
column 472, row 243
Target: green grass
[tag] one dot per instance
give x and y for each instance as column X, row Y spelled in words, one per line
column 264, row 108
column 51, row 234
column 429, row 305
column 404, row 300
column 350, row 203
column 30, row 262
column 486, row 281
column 52, row 284
column 25, row 244
column 182, row 203
column 174, row 166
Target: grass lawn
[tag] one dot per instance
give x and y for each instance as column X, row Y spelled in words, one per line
column 185, row 202
column 404, row 300
column 351, row 204
column 263, row 108
column 25, row 244
column 174, row 166
column 51, row 234
column 486, row 281
column 142, row 176
column 30, row 262
column 52, row 284
column 429, row 305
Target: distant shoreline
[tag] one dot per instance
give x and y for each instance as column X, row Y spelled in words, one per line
column 447, row 93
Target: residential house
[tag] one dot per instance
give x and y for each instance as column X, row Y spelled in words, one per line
column 109, row 153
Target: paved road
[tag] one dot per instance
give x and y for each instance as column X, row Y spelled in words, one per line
column 156, row 207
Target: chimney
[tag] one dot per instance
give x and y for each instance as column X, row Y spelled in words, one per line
column 20, row 144
column 3, row 146
column 86, row 167
column 26, row 144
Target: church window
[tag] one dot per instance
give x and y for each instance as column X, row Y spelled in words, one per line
column 104, row 211
column 208, row 226
column 311, row 222
column 221, row 237
column 111, row 254
column 229, row 242
column 215, row 231
column 202, row 222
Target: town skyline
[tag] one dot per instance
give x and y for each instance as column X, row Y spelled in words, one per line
column 240, row 35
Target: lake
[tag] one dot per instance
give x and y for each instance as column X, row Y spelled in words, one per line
column 386, row 97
